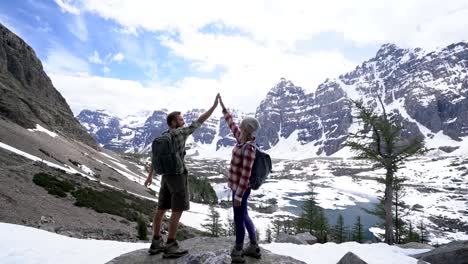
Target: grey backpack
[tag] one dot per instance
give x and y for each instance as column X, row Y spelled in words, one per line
column 165, row 158
column 261, row 167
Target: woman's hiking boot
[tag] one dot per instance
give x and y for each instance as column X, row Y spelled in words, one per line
column 253, row 250
column 237, row 255
column 173, row 250
column 157, row 246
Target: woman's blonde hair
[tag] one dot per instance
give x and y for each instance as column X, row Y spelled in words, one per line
column 249, row 127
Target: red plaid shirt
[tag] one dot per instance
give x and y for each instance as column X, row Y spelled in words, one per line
column 241, row 165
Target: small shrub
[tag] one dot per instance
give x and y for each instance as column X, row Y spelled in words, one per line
column 74, row 162
column 113, row 202
column 201, row 191
column 142, row 228
column 113, row 179
column 53, row 185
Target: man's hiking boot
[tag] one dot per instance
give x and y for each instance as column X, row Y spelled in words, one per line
column 157, row 246
column 237, row 256
column 253, row 250
column 174, row 251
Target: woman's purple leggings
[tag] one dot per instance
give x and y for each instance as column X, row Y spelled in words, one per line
column 243, row 221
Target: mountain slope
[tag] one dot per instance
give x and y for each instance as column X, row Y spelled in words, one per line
column 28, row 96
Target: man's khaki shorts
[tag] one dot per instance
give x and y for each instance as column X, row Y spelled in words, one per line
column 174, row 192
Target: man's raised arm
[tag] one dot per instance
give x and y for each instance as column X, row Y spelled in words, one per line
column 210, row 111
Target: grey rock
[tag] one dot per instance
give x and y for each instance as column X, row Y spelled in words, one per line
column 351, row 258
column 453, row 253
column 286, row 238
column 416, row 245
column 307, row 237
column 202, row 250
column 28, row 96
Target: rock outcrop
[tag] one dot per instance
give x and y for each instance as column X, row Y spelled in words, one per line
column 27, row 94
column 452, row 253
column 202, row 250
column 351, row 258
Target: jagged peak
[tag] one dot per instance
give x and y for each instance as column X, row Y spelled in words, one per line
column 100, row 112
column 386, row 49
column 285, row 86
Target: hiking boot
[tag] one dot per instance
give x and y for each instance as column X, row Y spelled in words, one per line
column 253, row 250
column 237, row 256
column 157, row 246
column 174, row 251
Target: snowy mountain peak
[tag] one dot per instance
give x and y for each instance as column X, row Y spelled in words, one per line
column 427, row 91
column 285, row 87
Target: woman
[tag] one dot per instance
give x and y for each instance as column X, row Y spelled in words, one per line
column 243, row 157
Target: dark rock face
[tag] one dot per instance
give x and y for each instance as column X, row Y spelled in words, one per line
column 207, row 132
column 351, row 258
column 430, row 88
column 452, row 253
column 27, row 94
column 323, row 117
column 202, row 250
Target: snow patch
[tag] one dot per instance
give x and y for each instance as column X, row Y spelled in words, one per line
column 39, row 128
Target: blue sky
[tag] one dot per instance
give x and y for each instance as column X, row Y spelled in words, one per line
column 179, row 54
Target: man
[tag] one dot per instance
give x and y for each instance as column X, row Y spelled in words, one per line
column 174, row 193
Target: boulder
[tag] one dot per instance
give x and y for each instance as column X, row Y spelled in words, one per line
column 351, row 258
column 307, row 238
column 285, row 238
column 416, row 245
column 202, row 250
column 453, row 253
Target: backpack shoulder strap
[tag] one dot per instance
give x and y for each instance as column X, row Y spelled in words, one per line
column 254, row 145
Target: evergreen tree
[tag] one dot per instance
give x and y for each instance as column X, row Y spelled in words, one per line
column 276, row 227
column 229, row 226
column 213, row 224
column 142, row 228
column 412, row 235
column 288, row 225
column 400, row 225
column 358, row 231
column 386, row 148
column 308, row 218
column 269, row 237
column 340, row 230
column 422, row 232
column 322, row 227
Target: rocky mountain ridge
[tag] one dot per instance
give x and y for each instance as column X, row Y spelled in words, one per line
column 428, row 91
column 28, row 97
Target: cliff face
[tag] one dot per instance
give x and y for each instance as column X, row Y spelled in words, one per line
column 27, row 94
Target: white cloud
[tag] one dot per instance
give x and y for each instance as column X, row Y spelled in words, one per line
column 67, row 6
column 61, row 61
column 78, row 28
column 119, row 57
column 265, row 49
column 95, row 58
column 92, row 92
column 106, row 69
column 407, row 23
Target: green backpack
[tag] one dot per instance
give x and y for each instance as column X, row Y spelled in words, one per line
column 165, row 158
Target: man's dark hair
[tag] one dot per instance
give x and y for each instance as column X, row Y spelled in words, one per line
column 172, row 116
